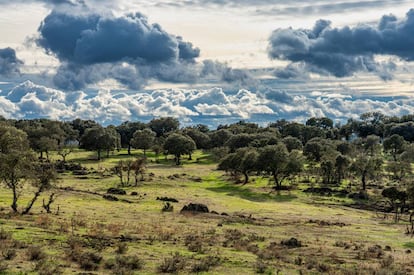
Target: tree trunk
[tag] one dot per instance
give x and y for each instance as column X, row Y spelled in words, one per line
column 129, row 149
column 47, row 205
column 190, row 157
column 30, row 205
column 364, row 183
column 99, row 154
column 246, row 177
column 15, row 198
column 177, row 160
column 128, row 172
column 276, row 178
column 145, row 153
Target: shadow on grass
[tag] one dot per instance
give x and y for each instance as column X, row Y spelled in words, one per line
column 247, row 194
column 409, row 245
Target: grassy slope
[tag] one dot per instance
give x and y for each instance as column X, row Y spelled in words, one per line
column 253, row 210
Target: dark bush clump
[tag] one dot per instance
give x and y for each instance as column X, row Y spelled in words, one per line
column 166, row 199
column 90, row 261
column 195, row 208
column 292, row 243
column 9, row 254
column 35, row 253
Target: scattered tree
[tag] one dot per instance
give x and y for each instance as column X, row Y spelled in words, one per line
column 178, row 145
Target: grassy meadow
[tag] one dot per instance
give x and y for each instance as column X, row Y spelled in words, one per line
column 252, row 229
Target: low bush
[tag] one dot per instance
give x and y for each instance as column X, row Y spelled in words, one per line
column 205, row 264
column 35, row 253
column 172, row 264
column 291, row 243
column 9, row 254
column 89, row 261
column 48, row 267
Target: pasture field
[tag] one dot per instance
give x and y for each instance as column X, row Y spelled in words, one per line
column 250, row 228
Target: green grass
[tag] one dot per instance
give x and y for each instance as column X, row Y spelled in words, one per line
column 152, row 235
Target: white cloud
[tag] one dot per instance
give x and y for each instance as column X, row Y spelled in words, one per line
column 209, row 106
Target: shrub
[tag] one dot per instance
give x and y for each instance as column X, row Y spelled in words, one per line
column 121, row 248
column 387, row 261
column 9, row 254
column 194, row 243
column 3, row 267
column 291, row 243
column 4, row 235
column 48, row 267
column 205, row 264
column 35, row 253
column 260, row 266
column 172, row 264
column 129, row 262
column 89, row 261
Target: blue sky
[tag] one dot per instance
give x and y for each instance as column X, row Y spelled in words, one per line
column 211, row 61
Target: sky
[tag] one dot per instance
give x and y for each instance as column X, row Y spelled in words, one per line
column 212, row 61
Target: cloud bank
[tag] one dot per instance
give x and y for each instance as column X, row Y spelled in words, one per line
column 344, row 51
column 209, row 106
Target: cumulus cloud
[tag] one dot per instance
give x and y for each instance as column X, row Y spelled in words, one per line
column 9, row 63
column 344, row 51
column 209, row 106
column 93, row 47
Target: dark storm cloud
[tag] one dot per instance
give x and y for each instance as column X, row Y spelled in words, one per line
column 92, row 38
column 344, row 51
column 9, row 63
column 93, row 47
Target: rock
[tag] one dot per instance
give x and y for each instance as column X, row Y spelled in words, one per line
column 134, row 193
column 116, row 191
column 167, row 199
column 195, row 207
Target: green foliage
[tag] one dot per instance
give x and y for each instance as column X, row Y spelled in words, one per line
column 178, row 144
column 366, row 167
column 143, row 139
column 394, row 145
column 98, row 139
column 244, row 161
column 278, row 162
column 162, row 126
